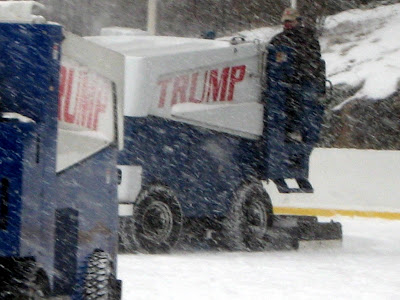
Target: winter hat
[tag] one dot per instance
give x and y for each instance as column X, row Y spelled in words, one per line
column 290, row 14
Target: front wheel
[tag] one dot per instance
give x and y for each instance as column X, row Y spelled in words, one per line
column 100, row 281
column 250, row 216
column 157, row 220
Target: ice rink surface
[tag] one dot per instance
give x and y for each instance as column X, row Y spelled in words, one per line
column 365, row 266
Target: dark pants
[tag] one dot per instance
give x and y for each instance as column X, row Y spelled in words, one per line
column 294, row 111
column 303, row 112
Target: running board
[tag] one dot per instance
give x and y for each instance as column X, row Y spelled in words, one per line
column 289, row 231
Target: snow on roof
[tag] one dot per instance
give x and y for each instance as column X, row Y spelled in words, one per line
column 147, row 46
column 20, row 11
column 117, row 30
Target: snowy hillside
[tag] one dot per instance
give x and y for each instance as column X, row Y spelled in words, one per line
column 361, row 49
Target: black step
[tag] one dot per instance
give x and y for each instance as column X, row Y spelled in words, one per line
column 303, row 183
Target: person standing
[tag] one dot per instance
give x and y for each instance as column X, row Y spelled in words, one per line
column 297, row 52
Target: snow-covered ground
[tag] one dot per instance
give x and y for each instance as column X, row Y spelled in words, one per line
column 366, row 266
column 361, row 49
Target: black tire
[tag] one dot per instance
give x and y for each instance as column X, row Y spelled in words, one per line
column 100, row 280
column 248, row 220
column 40, row 288
column 157, row 220
column 28, row 283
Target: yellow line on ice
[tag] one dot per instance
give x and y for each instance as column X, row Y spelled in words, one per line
column 333, row 212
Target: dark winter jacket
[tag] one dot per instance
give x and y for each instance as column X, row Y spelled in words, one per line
column 306, row 56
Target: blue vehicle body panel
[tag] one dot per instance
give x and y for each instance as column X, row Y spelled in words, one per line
column 16, row 141
column 57, row 218
column 201, row 166
column 28, row 71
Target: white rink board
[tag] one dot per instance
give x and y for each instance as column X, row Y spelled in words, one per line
column 349, row 180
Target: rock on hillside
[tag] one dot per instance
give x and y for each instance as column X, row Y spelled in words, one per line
column 361, row 123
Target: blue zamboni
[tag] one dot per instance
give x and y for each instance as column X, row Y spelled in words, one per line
column 200, row 141
column 58, row 155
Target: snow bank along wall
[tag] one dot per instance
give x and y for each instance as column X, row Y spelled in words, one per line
column 347, row 182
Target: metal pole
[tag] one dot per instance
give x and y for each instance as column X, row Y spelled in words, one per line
column 152, row 17
column 293, row 4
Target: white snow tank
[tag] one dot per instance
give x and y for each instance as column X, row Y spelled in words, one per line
column 209, row 83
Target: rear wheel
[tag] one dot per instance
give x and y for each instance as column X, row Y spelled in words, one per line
column 157, row 220
column 25, row 282
column 40, row 288
column 249, row 218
